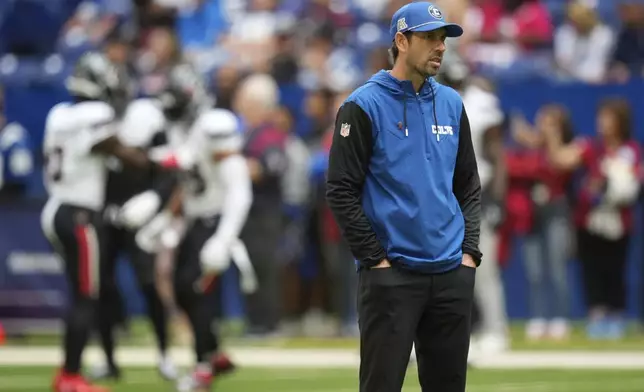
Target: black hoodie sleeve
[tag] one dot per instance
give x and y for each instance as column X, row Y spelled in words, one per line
column 348, row 163
column 467, row 188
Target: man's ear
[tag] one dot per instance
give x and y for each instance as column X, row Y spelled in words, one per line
column 401, row 42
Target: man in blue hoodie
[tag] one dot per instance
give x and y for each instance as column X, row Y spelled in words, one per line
column 403, row 185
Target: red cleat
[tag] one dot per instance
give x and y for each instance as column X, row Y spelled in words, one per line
column 65, row 382
column 222, row 364
column 200, row 380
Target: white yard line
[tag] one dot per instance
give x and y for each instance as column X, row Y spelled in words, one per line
column 324, row 359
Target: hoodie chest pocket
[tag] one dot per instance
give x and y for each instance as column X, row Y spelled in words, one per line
column 397, row 141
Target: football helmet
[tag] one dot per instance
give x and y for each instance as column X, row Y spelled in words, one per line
column 95, row 77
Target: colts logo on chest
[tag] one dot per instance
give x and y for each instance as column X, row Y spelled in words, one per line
column 439, row 130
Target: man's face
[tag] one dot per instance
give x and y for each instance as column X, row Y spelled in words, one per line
column 425, row 51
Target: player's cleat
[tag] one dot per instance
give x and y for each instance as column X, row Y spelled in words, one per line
column 222, row 364
column 65, row 382
column 199, row 380
column 105, row 372
column 167, row 369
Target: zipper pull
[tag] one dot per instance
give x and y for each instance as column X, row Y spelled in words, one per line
column 406, row 132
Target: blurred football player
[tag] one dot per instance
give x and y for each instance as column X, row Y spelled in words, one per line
column 79, row 136
column 133, row 197
column 487, row 121
column 216, row 196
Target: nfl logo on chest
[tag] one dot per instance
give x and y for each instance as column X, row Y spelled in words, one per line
column 345, row 129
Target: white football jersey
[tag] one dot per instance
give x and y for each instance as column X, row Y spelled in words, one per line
column 484, row 112
column 215, row 131
column 75, row 175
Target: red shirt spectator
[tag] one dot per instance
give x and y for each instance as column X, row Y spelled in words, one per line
column 611, row 171
column 527, row 22
column 594, row 154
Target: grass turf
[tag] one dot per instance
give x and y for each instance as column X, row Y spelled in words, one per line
column 141, row 334
column 26, row 379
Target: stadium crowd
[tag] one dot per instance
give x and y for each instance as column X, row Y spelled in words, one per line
column 286, row 67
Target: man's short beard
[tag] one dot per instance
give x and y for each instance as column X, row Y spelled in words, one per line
column 426, row 72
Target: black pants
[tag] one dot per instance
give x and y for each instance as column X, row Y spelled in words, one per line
column 77, row 235
column 112, row 306
column 603, row 263
column 193, row 289
column 261, row 235
column 397, row 308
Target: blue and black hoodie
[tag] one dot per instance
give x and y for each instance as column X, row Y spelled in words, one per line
column 403, row 182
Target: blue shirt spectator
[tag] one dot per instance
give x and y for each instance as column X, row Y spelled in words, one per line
column 201, row 26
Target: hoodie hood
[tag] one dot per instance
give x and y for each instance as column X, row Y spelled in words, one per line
column 403, row 89
column 400, row 88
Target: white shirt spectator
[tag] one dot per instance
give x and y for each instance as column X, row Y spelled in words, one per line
column 584, row 57
column 583, row 46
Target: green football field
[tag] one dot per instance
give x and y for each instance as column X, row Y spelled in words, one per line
column 37, row 379
column 27, row 365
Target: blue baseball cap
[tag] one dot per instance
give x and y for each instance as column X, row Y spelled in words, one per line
column 421, row 16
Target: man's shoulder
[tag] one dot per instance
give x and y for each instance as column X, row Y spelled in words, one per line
column 363, row 96
column 449, row 94
column 450, row 100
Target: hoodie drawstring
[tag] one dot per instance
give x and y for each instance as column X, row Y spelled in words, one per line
column 433, row 103
column 405, row 115
column 404, row 125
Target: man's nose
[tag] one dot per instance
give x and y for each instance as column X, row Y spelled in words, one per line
column 441, row 47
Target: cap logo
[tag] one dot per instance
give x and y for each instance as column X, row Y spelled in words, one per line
column 402, row 24
column 435, row 12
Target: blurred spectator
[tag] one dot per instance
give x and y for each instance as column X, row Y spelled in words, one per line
column 509, row 36
column 336, row 13
column 160, row 52
column 296, row 187
column 284, row 66
column 94, row 21
column 454, row 10
column 152, row 13
column 547, row 245
column 200, row 25
column 325, row 65
column 256, row 102
column 316, row 109
column 225, row 81
column 487, row 120
column 583, row 46
column 338, row 259
column 252, row 38
column 16, row 158
column 378, row 59
column 604, row 211
column 628, row 59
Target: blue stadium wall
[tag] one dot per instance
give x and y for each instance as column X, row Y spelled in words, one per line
column 26, row 265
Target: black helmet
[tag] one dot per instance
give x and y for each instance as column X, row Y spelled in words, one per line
column 184, row 95
column 96, row 78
